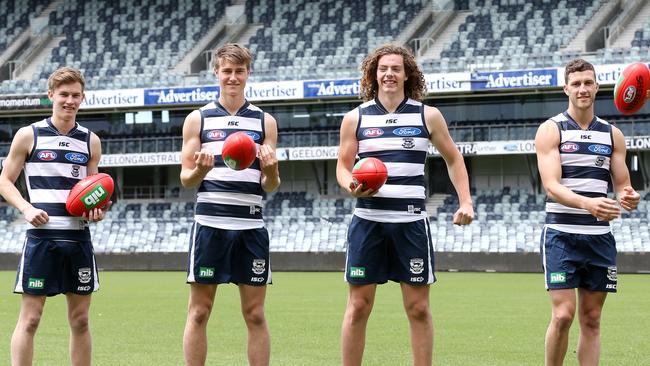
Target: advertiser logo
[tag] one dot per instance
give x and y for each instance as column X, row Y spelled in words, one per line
column 568, row 147
column 558, row 277
column 94, row 197
column 206, row 272
column 46, row 155
column 254, row 135
column 76, row 158
column 357, row 272
column 331, row 88
column 629, row 94
column 407, row 131
column 600, row 149
column 181, row 95
column 216, row 135
column 511, row 147
column 515, row 79
column 373, row 132
column 36, row 283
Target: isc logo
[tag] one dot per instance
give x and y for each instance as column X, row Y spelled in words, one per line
column 257, row 279
column 206, row 272
column 391, row 121
column 233, row 123
column 37, row 283
column 92, row 198
column 64, row 144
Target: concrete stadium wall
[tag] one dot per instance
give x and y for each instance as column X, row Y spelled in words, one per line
column 298, row 261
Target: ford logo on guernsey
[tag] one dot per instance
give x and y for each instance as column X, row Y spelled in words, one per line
column 407, row 131
column 569, row 147
column 46, row 155
column 216, row 135
column 600, row 149
column 373, row 132
column 255, row 136
column 76, row 158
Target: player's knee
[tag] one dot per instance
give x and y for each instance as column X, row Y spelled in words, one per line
column 418, row 311
column 79, row 323
column 591, row 320
column 254, row 315
column 359, row 308
column 30, row 324
column 562, row 320
column 199, row 314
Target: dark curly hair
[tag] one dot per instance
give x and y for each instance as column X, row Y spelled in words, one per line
column 577, row 65
column 414, row 87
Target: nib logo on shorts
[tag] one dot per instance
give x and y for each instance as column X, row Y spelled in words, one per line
column 558, row 277
column 358, row 272
column 36, row 283
column 206, row 272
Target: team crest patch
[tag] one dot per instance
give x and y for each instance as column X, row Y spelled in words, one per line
column 600, row 161
column 417, row 265
column 259, row 266
column 84, row 275
column 612, row 273
column 408, row 143
column 75, row 171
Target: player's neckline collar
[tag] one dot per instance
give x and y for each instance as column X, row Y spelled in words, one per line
column 399, row 107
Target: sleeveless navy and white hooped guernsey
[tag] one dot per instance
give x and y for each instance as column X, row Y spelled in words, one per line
column 585, row 157
column 401, row 141
column 56, row 163
column 230, row 199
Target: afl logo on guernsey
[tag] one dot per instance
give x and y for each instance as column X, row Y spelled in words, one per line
column 373, row 132
column 253, row 135
column 407, row 131
column 76, row 158
column 569, row 147
column 216, row 135
column 46, row 155
column 600, row 149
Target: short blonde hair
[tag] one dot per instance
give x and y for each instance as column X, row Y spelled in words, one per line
column 234, row 53
column 65, row 75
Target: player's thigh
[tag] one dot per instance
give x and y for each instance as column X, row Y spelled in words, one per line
column 411, row 253
column 366, row 256
column 251, row 258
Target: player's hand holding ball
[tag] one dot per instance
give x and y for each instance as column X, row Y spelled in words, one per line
column 90, row 197
column 368, row 175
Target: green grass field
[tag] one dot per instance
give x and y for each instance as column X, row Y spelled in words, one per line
column 137, row 318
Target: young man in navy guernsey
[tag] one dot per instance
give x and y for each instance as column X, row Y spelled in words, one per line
column 57, row 255
column 577, row 154
column 229, row 242
column 388, row 238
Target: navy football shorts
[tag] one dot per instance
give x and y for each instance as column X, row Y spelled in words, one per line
column 579, row 260
column 51, row 267
column 222, row 256
column 379, row 251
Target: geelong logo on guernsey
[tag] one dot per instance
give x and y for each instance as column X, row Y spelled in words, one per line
column 253, row 135
column 47, row 155
column 76, row 158
column 569, row 147
column 599, row 149
column 373, row 132
column 95, row 196
column 216, row 135
column 407, row 131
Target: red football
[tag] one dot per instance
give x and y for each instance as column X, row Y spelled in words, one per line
column 239, row 151
column 370, row 172
column 632, row 89
column 93, row 191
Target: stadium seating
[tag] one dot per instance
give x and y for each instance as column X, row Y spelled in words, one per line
column 15, row 18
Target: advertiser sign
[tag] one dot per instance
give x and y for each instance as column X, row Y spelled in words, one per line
column 637, row 143
column 515, row 79
column 605, row 74
column 448, row 82
column 274, row 90
column 308, row 153
column 13, row 102
column 331, row 88
column 141, row 159
column 192, row 95
column 113, row 98
column 492, row 148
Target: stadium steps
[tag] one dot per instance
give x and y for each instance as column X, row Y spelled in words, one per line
column 432, row 203
column 30, row 70
column 605, row 13
column 445, row 36
column 639, row 13
column 212, row 37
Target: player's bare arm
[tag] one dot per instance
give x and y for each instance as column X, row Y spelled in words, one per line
column 195, row 162
column 549, row 163
column 11, row 168
column 270, row 179
column 348, row 148
column 98, row 213
column 442, row 141
column 627, row 197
